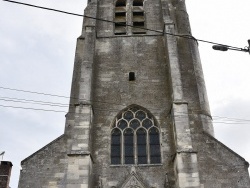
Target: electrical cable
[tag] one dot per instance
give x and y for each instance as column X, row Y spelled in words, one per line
column 52, row 95
column 103, row 109
column 109, row 21
column 99, row 109
column 231, row 122
column 25, row 108
column 28, row 100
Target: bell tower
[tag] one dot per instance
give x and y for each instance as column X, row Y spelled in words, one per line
column 138, row 114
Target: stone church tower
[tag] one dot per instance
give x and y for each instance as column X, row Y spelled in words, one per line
column 138, row 115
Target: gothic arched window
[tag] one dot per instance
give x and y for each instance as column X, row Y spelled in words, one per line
column 135, row 138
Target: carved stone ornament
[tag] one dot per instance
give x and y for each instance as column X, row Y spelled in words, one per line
column 133, row 181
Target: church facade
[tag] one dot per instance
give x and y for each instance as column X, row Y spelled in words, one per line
column 138, row 115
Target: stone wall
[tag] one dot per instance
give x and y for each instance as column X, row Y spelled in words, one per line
column 46, row 167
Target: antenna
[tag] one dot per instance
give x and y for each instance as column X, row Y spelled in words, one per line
column 2, row 154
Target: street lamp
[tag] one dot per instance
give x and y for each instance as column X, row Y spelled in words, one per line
column 224, row 48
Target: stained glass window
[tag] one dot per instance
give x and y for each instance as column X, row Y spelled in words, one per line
column 155, row 154
column 129, row 146
column 141, row 146
column 135, row 138
column 116, row 147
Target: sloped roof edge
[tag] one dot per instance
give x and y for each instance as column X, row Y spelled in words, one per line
column 58, row 138
column 217, row 141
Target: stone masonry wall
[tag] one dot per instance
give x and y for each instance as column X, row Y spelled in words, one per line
column 115, row 58
column 220, row 166
column 46, row 168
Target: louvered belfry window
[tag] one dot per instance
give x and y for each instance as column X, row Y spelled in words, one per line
column 135, row 138
column 120, row 17
column 138, row 17
column 129, row 13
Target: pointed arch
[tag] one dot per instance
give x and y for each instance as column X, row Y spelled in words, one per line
column 135, row 135
column 133, row 112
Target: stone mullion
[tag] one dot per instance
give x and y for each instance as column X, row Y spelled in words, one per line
column 122, row 149
column 129, row 16
column 135, row 148
column 148, row 146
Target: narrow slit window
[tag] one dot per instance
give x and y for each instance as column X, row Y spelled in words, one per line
column 131, row 76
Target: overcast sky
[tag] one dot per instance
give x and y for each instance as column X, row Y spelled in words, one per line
column 37, row 53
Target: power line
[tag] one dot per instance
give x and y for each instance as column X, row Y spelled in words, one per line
column 10, row 99
column 109, row 21
column 230, row 122
column 33, row 92
column 28, row 100
column 53, row 95
column 25, row 108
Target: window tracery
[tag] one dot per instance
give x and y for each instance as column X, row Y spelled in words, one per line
column 135, row 138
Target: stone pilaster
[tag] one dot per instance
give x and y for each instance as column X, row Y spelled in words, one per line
column 79, row 135
column 185, row 162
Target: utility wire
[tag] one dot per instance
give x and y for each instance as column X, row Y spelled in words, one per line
column 33, row 92
column 35, row 101
column 26, row 102
column 58, row 111
column 231, row 121
column 25, row 108
column 10, row 99
column 109, row 21
column 53, row 95
column 58, row 104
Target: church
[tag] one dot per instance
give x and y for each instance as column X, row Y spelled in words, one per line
column 138, row 113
